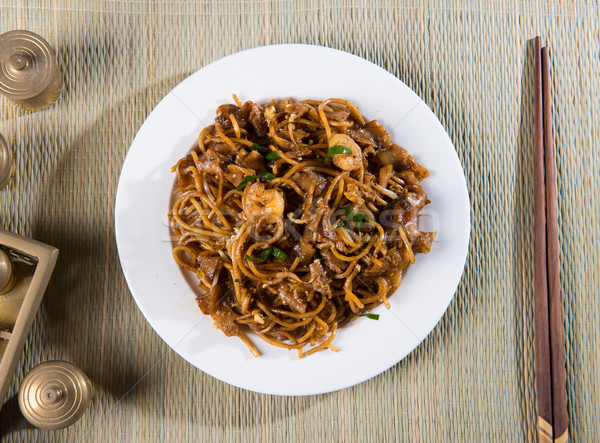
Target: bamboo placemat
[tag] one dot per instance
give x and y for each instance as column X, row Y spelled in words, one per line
column 473, row 378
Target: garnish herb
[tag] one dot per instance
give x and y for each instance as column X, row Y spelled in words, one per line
column 266, row 176
column 336, row 150
column 249, row 178
column 261, row 256
column 245, row 181
column 357, row 218
column 259, row 148
column 278, row 254
column 348, row 211
column 371, row 316
column 264, row 254
column 269, row 155
column 316, row 254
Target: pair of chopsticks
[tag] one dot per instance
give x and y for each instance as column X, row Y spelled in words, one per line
column 550, row 359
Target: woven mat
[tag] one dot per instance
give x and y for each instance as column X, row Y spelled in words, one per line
column 472, row 379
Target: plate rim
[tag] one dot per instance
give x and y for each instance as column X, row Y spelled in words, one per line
column 465, row 215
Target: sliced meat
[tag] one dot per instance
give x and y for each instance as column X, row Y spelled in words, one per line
column 293, row 298
column 377, row 133
column 384, row 175
column 211, row 166
column 251, row 160
column 325, row 229
column 404, row 212
column 221, row 152
column 332, row 262
column 335, row 113
column 223, row 113
column 281, row 105
column 422, row 243
column 210, row 264
column 224, row 319
column 258, row 121
column 241, row 115
column 297, row 109
column 207, row 301
column 393, row 155
column 401, row 160
column 304, row 251
column 319, row 279
column 235, row 174
column 397, row 258
column 396, row 213
column 307, row 178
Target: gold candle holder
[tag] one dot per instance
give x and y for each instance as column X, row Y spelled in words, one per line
column 29, row 75
column 6, row 166
column 54, row 395
column 31, row 265
column 7, row 273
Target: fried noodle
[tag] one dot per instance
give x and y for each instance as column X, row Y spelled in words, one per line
column 296, row 217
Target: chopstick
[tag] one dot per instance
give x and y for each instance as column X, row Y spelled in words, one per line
column 551, row 379
column 540, row 276
column 557, row 356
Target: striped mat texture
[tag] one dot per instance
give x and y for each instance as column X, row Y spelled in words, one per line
column 473, row 377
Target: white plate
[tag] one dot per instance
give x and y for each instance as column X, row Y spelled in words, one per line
column 367, row 347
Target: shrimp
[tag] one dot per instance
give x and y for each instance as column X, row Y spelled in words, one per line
column 258, row 201
column 347, row 162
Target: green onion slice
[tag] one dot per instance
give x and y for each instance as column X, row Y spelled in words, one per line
column 259, row 148
column 371, row 316
column 245, row 181
column 264, row 254
column 336, row 150
column 349, row 211
column 266, row 176
column 272, row 155
column 278, row 254
column 358, row 218
column 249, row 178
column 261, row 256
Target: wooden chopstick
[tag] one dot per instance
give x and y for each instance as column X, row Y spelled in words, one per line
column 542, row 335
column 557, row 357
column 551, row 378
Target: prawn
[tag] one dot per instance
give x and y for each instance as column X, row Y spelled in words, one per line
column 347, row 162
column 258, row 201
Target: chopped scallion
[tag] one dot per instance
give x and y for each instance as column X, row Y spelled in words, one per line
column 265, row 253
column 259, row 148
column 358, row 218
column 245, row 181
column 249, row 178
column 261, row 256
column 278, row 254
column 348, row 211
column 266, row 176
column 371, row 316
column 272, row 155
column 337, row 150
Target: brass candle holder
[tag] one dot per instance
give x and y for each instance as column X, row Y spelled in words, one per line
column 26, row 266
column 54, row 395
column 6, row 165
column 7, row 273
column 29, row 74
